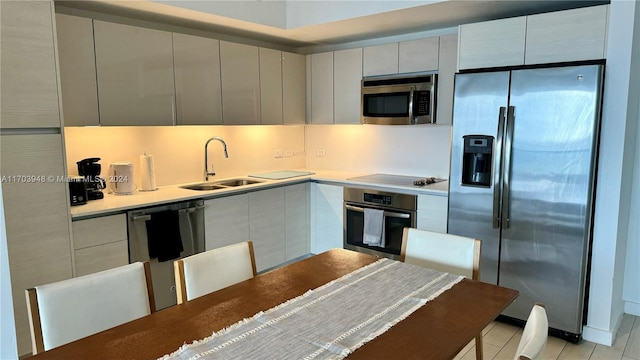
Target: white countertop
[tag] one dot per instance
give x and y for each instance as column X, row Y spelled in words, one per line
column 173, row 193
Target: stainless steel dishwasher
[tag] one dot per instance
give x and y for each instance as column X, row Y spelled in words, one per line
column 189, row 218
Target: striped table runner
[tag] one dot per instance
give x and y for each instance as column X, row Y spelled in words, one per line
column 329, row 322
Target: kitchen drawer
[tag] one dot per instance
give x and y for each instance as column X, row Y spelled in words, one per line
column 102, row 257
column 99, row 231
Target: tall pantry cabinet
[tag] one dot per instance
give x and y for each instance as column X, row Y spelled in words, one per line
column 31, row 155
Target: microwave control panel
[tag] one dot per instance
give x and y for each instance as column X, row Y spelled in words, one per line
column 422, row 103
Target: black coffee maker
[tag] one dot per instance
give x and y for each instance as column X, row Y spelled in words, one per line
column 90, row 170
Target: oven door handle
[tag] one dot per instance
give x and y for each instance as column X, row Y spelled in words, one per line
column 386, row 213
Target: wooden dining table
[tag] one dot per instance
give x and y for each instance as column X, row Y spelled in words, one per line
column 437, row 330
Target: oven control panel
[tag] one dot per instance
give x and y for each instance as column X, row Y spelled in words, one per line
column 377, row 199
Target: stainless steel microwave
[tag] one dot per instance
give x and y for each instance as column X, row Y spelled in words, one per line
column 399, row 100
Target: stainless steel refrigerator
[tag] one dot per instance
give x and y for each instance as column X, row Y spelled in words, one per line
column 523, row 159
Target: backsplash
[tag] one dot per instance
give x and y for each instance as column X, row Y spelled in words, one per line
column 178, row 151
column 415, row 150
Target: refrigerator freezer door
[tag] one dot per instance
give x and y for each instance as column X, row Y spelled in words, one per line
column 476, row 111
column 545, row 243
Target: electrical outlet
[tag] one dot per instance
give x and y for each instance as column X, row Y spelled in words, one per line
column 277, row 153
column 321, row 152
column 288, row 153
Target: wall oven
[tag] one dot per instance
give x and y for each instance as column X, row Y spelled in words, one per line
column 399, row 100
column 399, row 211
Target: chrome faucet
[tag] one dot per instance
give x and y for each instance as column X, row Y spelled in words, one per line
column 208, row 173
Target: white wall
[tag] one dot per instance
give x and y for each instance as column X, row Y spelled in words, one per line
column 308, row 13
column 419, row 150
column 631, row 292
column 271, row 13
column 178, row 151
column 8, row 344
column 614, row 179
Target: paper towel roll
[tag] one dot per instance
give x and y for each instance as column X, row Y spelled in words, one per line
column 147, row 174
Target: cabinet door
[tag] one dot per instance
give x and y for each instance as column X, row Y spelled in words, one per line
column 432, row 213
column 196, row 62
column 293, row 88
column 322, row 88
column 135, row 75
column 347, row 77
column 226, row 221
column 571, row 35
column 380, row 60
column 240, row 70
column 326, row 217
column 36, row 217
column 296, row 198
column 270, row 87
column 418, row 55
column 267, row 227
column 77, row 70
column 28, row 72
column 446, row 72
column 492, row 43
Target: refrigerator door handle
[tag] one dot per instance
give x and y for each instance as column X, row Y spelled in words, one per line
column 506, row 184
column 497, row 172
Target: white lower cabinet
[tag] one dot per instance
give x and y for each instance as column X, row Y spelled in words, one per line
column 296, row 201
column 226, row 221
column 276, row 220
column 432, row 213
column 326, row 217
column 100, row 244
column 267, row 227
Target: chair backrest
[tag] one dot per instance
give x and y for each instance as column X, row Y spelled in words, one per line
column 71, row 309
column 443, row 252
column 534, row 336
column 206, row 272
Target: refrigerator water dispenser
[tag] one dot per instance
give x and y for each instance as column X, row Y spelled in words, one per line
column 477, row 160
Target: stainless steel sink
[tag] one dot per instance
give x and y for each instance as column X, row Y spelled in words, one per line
column 203, row 187
column 222, row 184
column 237, row 182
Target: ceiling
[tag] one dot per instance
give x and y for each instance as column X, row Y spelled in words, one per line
column 435, row 15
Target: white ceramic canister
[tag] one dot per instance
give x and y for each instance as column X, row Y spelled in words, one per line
column 121, row 178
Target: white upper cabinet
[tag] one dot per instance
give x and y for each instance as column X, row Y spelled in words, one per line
column 28, row 72
column 571, row 35
column 293, row 88
column 322, row 88
column 196, row 63
column 492, row 43
column 446, row 70
column 418, row 55
column 135, row 75
column 77, row 70
column 380, row 60
column 240, row 66
column 271, row 86
column 347, row 77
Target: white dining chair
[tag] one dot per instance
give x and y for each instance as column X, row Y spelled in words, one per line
column 443, row 252
column 212, row 270
column 71, row 309
column 534, row 336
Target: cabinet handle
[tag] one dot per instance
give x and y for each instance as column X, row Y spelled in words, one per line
column 141, row 218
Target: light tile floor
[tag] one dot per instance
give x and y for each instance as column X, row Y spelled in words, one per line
column 501, row 341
